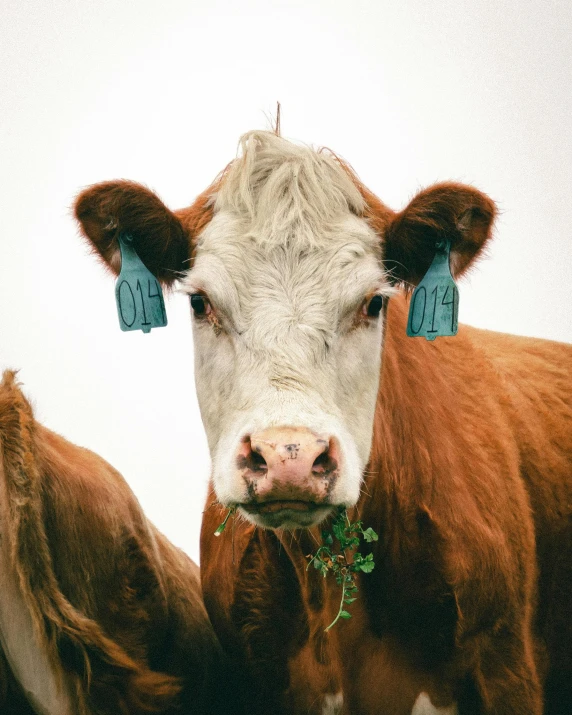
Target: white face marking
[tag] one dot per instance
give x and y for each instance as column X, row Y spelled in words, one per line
column 333, row 704
column 424, row 706
column 287, row 267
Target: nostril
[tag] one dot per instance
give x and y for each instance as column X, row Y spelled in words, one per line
column 324, row 463
column 256, row 462
column 250, row 458
column 320, row 464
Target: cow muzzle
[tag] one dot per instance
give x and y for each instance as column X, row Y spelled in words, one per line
column 289, row 473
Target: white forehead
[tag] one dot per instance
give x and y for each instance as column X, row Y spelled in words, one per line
column 286, row 218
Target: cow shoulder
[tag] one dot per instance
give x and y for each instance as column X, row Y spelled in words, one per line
column 443, row 429
column 536, row 381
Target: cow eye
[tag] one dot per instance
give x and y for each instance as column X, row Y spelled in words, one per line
column 200, row 304
column 374, row 306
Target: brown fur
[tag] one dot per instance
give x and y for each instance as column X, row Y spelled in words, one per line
column 117, row 607
column 196, row 217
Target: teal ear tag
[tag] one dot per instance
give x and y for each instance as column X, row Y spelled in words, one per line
column 138, row 294
column 434, row 306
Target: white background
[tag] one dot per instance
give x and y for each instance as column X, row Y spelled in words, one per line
column 409, row 92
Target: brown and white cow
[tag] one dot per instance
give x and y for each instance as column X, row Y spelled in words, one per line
column 99, row 613
column 458, row 453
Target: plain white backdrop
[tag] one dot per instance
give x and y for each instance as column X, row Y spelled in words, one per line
column 409, row 92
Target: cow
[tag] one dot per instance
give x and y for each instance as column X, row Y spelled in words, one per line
column 457, row 452
column 99, row 613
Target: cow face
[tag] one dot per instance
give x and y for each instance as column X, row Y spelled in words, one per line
column 293, row 263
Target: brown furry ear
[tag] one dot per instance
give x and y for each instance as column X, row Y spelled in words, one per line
column 449, row 211
column 108, row 209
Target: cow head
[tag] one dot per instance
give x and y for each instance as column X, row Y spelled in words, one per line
column 288, row 262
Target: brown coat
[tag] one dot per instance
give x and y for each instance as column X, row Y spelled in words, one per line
column 470, row 489
column 116, row 609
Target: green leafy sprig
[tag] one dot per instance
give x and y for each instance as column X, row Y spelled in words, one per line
column 346, row 562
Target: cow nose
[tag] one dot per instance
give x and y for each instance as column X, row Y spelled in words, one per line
column 292, row 450
column 287, row 460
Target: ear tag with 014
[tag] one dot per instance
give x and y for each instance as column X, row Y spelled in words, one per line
column 434, row 306
column 138, row 294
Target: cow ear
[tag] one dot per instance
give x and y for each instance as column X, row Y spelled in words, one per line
column 444, row 212
column 106, row 210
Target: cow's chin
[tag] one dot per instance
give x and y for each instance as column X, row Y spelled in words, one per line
column 284, row 514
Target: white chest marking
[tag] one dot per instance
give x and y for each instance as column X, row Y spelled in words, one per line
column 24, row 653
column 424, row 706
column 333, row 704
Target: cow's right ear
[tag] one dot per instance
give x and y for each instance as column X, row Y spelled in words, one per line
column 106, row 210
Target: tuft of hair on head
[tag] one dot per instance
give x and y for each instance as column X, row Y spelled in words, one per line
column 278, row 187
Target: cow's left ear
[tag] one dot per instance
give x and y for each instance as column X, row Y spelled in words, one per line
column 444, row 212
column 106, row 210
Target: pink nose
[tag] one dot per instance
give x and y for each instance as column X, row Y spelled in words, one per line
column 289, row 463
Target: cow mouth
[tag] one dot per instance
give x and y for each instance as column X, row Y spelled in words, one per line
column 286, row 513
column 271, row 507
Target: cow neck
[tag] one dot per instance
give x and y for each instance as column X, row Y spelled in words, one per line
column 411, row 474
